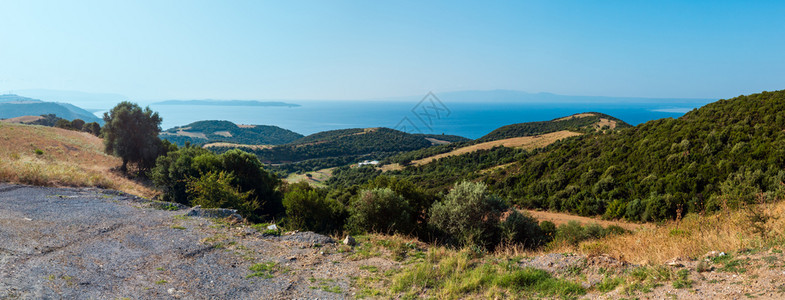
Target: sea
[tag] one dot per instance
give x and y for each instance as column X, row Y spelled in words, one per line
column 471, row 120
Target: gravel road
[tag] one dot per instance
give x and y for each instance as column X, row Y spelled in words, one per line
column 97, row 244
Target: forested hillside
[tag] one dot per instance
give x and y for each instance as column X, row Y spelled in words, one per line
column 341, row 147
column 652, row 171
column 203, row 132
column 706, row 160
column 583, row 122
column 588, row 122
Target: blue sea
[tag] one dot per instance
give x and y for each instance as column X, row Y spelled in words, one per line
column 471, row 120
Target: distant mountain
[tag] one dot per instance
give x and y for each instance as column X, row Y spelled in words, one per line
column 204, row 132
column 90, row 101
column 12, row 106
column 226, row 103
column 512, row 96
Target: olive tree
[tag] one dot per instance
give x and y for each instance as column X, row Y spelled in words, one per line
column 132, row 134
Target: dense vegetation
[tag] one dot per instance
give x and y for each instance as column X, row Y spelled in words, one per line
column 52, row 120
column 573, row 123
column 655, row 170
column 339, row 147
column 234, row 179
column 585, row 124
column 723, row 155
column 225, row 131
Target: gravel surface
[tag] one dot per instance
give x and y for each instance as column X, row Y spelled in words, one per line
column 96, row 244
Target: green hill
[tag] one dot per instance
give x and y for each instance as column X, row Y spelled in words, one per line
column 729, row 149
column 12, row 106
column 203, row 132
column 341, row 147
column 590, row 121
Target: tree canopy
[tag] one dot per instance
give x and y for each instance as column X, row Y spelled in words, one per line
column 132, row 134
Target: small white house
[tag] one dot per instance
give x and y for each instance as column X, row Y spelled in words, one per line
column 368, row 162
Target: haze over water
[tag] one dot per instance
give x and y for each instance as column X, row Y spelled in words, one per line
column 471, row 120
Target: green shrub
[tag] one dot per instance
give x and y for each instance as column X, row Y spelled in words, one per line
column 573, row 233
column 419, row 200
column 174, row 171
column 521, row 228
column 380, row 210
column 469, row 215
column 309, row 209
column 215, row 190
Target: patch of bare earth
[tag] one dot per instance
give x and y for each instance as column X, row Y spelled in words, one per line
column 184, row 132
column 223, row 133
column 437, row 141
column 526, row 142
column 233, row 145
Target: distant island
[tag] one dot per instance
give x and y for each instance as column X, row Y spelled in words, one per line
column 226, row 103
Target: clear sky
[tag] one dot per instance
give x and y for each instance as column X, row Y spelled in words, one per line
column 165, row 49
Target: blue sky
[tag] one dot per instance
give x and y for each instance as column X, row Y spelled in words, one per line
column 372, row 49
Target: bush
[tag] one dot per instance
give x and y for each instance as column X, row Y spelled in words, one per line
column 573, row 233
column 175, row 170
column 469, row 215
column 215, row 190
column 309, row 209
column 419, row 200
column 380, row 210
column 521, row 228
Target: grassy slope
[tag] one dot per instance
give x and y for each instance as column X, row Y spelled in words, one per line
column 65, row 158
column 526, row 142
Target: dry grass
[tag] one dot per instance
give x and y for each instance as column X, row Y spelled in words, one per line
column 562, row 218
column 22, row 119
column 48, row 156
column 605, row 122
column 575, row 116
column 526, row 142
column 691, row 237
column 184, row 132
column 437, row 141
column 317, row 177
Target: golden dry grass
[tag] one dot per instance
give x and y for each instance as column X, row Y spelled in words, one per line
column 605, row 122
column 562, row 218
column 48, row 156
column 317, row 177
column 575, row 116
column 526, row 142
column 22, row 119
column 691, row 237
